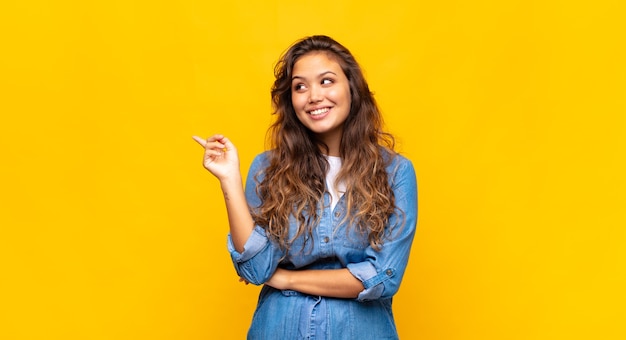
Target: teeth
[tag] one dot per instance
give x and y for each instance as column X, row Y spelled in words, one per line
column 319, row 111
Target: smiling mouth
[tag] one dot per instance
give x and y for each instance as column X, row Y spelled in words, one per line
column 319, row 111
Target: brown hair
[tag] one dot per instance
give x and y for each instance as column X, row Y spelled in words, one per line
column 294, row 182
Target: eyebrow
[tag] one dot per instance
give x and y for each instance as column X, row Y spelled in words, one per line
column 320, row 75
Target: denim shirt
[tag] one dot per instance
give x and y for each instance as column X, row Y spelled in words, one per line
column 293, row 315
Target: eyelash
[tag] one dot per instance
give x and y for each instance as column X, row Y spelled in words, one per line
column 323, row 82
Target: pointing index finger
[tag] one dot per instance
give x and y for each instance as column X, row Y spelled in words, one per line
column 200, row 141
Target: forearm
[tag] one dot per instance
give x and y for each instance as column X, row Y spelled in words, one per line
column 338, row 283
column 239, row 218
column 221, row 159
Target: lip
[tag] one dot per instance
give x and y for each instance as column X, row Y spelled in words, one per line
column 319, row 116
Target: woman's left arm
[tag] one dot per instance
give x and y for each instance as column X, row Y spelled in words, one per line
column 338, row 283
column 379, row 276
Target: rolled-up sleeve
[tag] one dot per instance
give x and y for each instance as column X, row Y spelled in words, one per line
column 382, row 270
column 260, row 258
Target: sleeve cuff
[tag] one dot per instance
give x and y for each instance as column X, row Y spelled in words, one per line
column 371, row 279
column 255, row 243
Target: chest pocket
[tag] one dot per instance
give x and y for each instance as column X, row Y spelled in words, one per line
column 347, row 235
column 301, row 247
column 353, row 238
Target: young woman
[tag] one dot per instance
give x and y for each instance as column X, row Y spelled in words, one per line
column 328, row 215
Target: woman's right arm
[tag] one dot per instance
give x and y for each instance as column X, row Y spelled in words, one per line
column 221, row 159
column 255, row 258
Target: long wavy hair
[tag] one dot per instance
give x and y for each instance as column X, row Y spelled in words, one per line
column 293, row 184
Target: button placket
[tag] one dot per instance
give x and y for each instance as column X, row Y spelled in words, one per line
column 323, row 231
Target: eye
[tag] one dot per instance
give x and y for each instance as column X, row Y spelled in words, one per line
column 298, row 87
column 327, row 81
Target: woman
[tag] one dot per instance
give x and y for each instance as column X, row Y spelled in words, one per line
column 328, row 215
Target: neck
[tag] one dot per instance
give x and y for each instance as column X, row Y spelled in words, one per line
column 333, row 142
column 333, row 148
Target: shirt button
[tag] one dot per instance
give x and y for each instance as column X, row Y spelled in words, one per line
column 389, row 272
column 337, row 214
column 326, row 239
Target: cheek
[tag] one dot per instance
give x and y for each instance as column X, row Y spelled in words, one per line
column 298, row 105
column 342, row 94
column 297, row 101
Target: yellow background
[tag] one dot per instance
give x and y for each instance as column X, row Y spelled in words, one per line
column 513, row 112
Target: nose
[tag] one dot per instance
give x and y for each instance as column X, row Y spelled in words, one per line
column 315, row 94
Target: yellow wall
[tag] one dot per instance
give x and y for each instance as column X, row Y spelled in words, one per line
column 514, row 113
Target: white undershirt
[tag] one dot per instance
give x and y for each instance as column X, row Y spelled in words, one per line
column 335, row 193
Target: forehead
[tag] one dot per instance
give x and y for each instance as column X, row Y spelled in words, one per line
column 317, row 62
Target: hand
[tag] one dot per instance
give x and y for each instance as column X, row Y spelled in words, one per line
column 220, row 156
column 280, row 279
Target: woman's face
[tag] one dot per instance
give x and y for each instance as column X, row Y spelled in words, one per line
column 320, row 95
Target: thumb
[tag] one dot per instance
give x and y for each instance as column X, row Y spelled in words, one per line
column 228, row 145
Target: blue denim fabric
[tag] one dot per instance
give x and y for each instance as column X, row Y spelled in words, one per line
column 293, row 315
